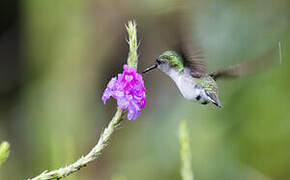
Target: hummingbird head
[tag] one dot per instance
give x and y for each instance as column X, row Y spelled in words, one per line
column 166, row 61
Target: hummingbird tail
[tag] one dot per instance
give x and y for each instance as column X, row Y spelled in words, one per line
column 217, row 104
column 214, row 99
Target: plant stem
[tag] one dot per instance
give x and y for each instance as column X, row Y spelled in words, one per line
column 133, row 44
column 185, row 153
column 4, row 152
column 91, row 156
column 105, row 136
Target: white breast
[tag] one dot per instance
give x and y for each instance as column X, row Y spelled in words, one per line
column 185, row 83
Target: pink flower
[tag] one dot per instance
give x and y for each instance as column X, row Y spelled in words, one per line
column 129, row 91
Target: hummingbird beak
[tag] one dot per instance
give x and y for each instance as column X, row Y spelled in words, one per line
column 150, row 68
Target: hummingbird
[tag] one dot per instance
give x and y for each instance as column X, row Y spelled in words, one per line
column 190, row 74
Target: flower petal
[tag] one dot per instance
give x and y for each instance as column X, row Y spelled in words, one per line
column 107, row 94
column 123, row 103
column 132, row 115
column 129, row 91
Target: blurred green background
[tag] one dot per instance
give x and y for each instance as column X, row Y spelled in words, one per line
column 56, row 57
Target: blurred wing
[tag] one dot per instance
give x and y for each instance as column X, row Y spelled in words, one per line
column 248, row 67
column 192, row 58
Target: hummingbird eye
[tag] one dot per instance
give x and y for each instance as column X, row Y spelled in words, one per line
column 159, row 61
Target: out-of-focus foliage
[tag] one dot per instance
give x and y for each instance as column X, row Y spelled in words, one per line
column 185, row 152
column 57, row 56
column 4, row 152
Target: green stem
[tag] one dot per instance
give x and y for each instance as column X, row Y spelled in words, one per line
column 114, row 123
column 91, row 156
column 133, row 44
column 185, row 153
column 4, row 152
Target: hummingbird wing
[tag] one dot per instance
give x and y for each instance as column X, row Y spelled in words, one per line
column 248, row 67
column 192, row 58
column 187, row 46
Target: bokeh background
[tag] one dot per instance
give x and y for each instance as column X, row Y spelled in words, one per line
column 56, row 57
